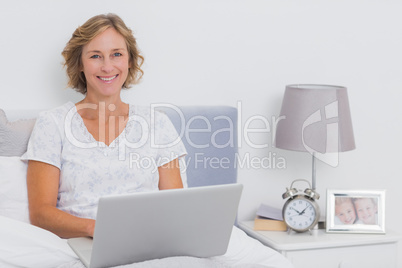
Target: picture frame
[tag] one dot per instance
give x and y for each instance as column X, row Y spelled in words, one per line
column 355, row 211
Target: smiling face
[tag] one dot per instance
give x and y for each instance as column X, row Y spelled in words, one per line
column 366, row 210
column 345, row 211
column 105, row 62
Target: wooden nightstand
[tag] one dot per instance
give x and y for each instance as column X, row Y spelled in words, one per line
column 324, row 250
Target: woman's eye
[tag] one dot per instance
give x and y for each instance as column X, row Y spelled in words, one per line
column 95, row 57
column 117, row 54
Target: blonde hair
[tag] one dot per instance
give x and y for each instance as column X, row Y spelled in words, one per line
column 341, row 200
column 86, row 33
column 373, row 200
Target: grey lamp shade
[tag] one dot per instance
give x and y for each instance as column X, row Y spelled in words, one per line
column 315, row 118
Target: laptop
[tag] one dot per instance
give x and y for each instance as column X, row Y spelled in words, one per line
column 137, row 227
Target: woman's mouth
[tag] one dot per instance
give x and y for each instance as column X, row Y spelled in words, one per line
column 107, row 79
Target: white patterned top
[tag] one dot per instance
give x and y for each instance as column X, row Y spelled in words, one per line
column 90, row 169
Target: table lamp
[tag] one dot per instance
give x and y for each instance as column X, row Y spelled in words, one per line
column 315, row 119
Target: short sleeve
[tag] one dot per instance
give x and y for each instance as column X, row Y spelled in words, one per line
column 45, row 143
column 167, row 140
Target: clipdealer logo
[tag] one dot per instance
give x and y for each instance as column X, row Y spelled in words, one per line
column 332, row 133
column 201, row 161
column 249, row 132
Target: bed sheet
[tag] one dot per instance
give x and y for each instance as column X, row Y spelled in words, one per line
column 24, row 245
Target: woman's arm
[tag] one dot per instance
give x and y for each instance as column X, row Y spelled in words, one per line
column 43, row 186
column 169, row 175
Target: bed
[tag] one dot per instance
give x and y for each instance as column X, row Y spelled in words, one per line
column 210, row 136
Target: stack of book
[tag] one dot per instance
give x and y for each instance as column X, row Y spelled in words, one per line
column 269, row 219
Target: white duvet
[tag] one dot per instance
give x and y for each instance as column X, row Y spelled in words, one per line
column 24, row 245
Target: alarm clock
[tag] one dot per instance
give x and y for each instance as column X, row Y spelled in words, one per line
column 301, row 212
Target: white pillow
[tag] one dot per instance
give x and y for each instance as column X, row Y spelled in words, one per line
column 25, row 245
column 13, row 190
column 14, row 136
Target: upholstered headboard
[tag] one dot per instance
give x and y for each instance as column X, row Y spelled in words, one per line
column 210, row 136
column 208, row 132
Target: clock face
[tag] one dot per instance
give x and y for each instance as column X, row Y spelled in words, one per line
column 300, row 213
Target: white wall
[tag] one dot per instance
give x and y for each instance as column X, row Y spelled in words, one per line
column 230, row 52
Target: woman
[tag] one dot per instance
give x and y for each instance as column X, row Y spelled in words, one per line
column 80, row 152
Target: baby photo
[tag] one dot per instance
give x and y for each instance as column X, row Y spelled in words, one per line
column 350, row 210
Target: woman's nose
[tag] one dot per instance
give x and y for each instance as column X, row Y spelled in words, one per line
column 107, row 66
